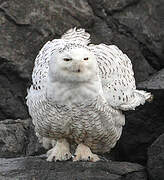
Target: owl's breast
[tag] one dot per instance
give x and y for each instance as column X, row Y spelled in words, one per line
column 92, row 123
column 97, row 126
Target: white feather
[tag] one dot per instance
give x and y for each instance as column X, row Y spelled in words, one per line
column 77, row 90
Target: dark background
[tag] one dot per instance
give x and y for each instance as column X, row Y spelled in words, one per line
column 135, row 26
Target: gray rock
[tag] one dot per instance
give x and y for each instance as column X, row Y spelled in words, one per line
column 141, row 129
column 142, row 20
column 136, row 176
column 12, row 90
column 155, row 164
column 17, row 138
column 154, row 82
column 39, row 169
column 118, row 5
column 145, row 23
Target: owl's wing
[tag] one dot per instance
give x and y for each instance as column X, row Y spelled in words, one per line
column 41, row 65
column 77, row 36
column 118, row 78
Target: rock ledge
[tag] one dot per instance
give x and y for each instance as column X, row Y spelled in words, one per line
column 38, row 168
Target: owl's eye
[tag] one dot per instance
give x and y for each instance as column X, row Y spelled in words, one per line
column 67, row 59
column 86, row 59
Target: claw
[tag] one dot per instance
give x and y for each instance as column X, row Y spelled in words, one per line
column 60, row 152
column 84, row 153
column 89, row 158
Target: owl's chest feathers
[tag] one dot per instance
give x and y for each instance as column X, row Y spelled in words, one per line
column 53, row 119
column 72, row 93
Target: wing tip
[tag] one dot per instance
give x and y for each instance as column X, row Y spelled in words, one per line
column 150, row 98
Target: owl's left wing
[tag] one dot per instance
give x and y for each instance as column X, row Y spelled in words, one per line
column 117, row 78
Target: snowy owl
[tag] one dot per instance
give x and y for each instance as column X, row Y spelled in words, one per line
column 77, row 96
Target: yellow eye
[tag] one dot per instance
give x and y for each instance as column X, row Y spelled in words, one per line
column 86, row 59
column 67, row 59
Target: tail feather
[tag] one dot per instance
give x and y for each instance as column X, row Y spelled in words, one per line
column 140, row 97
column 144, row 95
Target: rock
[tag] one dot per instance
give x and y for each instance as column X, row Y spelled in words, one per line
column 136, row 176
column 142, row 127
column 25, row 27
column 32, row 146
column 155, row 163
column 38, row 168
column 154, row 82
column 139, row 20
column 145, row 23
column 118, row 5
column 12, row 90
column 18, row 138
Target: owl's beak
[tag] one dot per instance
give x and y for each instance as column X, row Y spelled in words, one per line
column 79, row 67
column 77, row 70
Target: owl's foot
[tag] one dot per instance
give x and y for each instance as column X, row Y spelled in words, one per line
column 84, row 153
column 60, row 152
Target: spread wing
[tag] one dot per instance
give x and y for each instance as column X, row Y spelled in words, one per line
column 118, row 78
column 41, row 65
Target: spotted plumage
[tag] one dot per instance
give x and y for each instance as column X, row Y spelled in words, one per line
column 78, row 91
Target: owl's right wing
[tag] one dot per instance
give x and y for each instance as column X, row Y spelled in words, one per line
column 41, row 65
column 117, row 78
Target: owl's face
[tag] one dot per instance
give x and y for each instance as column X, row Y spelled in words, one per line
column 77, row 64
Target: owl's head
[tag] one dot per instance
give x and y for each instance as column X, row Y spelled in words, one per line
column 75, row 64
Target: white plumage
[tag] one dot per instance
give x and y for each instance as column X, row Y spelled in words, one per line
column 77, row 95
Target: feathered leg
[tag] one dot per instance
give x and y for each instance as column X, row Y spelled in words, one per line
column 60, row 152
column 84, row 153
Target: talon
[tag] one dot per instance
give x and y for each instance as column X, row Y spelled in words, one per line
column 60, row 152
column 92, row 160
column 89, row 158
column 53, row 158
column 84, row 153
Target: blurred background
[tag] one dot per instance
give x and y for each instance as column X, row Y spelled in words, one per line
column 135, row 26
